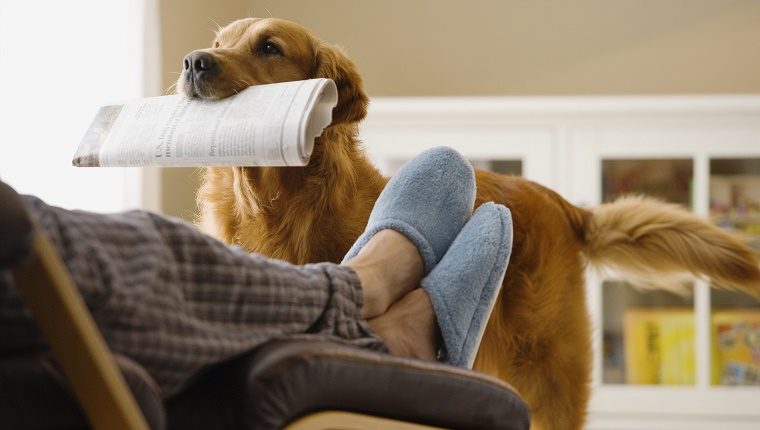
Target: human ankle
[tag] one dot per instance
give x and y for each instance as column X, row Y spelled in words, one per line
column 389, row 266
column 375, row 297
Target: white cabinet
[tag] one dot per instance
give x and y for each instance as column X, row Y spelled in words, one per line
column 700, row 151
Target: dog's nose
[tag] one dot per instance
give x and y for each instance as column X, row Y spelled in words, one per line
column 198, row 62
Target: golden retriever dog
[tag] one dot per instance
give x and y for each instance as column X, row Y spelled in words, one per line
column 539, row 336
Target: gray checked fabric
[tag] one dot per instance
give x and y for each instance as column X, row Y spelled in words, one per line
column 177, row 301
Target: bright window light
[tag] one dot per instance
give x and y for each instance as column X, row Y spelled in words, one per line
column 59, row 62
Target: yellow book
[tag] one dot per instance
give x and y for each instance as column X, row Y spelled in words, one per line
column 678, row 352
column 659, row 346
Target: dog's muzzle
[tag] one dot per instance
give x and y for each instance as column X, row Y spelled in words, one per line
column 199, row 67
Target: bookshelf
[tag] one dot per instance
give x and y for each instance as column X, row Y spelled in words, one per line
column 699, row 151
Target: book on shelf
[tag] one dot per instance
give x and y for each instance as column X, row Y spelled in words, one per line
column 263, row 125
column 736, row 337
column 659, row 346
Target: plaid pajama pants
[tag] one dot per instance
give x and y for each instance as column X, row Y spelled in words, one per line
column 176, row 301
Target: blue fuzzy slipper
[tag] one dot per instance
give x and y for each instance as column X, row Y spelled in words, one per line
column 428, row 200
column 463, row 287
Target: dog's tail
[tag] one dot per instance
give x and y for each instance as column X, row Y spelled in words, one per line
column 651, row 241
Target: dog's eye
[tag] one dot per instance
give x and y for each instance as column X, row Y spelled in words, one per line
column 270, row 48
column 216, row 44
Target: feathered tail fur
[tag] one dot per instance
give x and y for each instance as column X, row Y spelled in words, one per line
column 650, row 240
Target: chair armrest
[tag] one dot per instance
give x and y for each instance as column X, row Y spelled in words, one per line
column 283, row 381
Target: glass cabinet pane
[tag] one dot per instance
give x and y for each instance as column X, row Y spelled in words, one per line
column 735, row 205
column 503, row 166
column 506, row 167
column 667, row 179
column 735, row 196
column 648, row 335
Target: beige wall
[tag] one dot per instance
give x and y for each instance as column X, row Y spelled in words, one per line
column 500, row 47
column 540, row 47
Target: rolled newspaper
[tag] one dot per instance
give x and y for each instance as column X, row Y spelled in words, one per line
column 263, row 125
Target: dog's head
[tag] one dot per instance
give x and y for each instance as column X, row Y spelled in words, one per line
column 257, row 51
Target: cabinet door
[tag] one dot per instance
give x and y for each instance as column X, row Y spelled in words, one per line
column 734, row 189
column 396, row 131
column 648, row 335
column 528, row 152
column 644, row 336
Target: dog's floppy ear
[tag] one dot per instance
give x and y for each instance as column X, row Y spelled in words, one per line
column 331, row 63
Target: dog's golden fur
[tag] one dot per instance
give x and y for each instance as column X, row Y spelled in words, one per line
column 539, row 336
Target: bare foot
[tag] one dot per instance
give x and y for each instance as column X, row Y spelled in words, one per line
column 409, row 328
column 389, row 266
